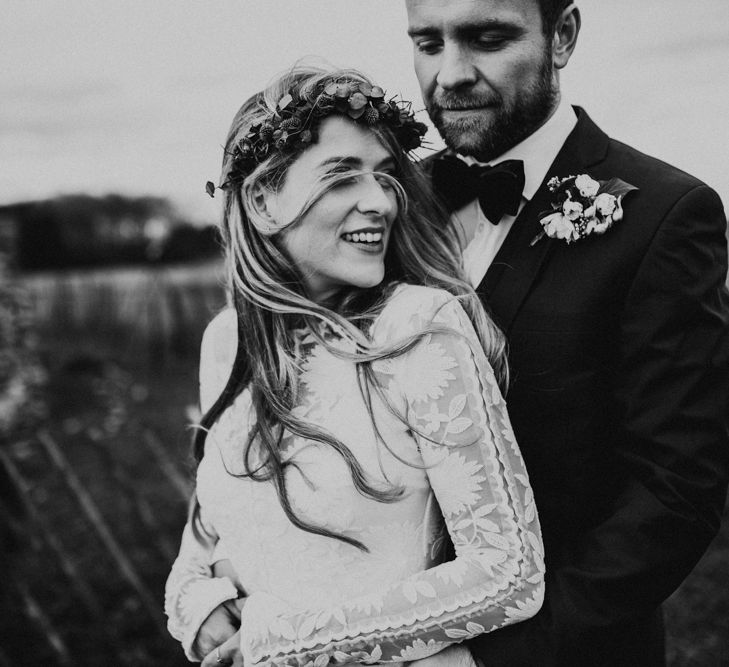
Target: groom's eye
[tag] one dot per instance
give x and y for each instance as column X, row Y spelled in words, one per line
column 428, row 46
column 490, row 42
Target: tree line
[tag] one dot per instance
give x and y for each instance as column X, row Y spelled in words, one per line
column 85, row 231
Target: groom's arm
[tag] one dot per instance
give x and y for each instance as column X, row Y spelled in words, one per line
column 672, row 392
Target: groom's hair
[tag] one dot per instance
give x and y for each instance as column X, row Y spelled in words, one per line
column 550, row 11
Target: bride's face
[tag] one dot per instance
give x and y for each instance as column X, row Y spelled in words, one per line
column 343, row 237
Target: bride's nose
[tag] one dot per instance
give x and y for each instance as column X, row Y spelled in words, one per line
column 375, row 197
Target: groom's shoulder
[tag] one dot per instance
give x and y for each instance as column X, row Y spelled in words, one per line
column 646, row 169
column 662, row 187
column 606, row 157
column 666, row 195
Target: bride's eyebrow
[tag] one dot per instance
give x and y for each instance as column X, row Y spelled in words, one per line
column 352, row 162
column 355, row 163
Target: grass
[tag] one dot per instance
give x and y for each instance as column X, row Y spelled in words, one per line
column 121, row 357
column 121, row 354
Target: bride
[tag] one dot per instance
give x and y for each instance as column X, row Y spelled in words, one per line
column 352, row 405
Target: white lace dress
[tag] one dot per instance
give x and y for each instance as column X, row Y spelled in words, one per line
column 314, row 600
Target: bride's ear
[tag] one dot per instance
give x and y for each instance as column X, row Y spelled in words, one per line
column 265, row 208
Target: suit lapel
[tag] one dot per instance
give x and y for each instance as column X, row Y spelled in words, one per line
column 517, row 264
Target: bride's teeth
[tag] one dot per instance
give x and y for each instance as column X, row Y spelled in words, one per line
column 363, row 237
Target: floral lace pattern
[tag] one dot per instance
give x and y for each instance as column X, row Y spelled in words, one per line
column 314, row 600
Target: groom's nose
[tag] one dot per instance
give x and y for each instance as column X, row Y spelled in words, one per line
column 456, row 67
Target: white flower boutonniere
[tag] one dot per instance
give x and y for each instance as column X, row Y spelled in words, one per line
column 582, row 206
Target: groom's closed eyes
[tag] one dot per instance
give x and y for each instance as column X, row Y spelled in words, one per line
column 488, row 35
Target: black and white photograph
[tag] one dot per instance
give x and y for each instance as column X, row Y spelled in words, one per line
column 340, row 333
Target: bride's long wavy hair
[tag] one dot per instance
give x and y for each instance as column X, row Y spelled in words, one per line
column 270, row 297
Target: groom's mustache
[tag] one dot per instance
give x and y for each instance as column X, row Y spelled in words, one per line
column 451, row 101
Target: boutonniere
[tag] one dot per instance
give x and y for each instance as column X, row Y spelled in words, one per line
column 582, row 206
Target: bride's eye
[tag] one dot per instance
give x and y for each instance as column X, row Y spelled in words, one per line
column 385, row 179
column 340, row 178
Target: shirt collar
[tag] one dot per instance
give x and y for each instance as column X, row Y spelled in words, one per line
column 540, row 148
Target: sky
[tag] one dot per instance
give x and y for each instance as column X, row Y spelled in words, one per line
column 136, row 96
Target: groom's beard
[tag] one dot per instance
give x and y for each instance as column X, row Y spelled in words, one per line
column 485, row 136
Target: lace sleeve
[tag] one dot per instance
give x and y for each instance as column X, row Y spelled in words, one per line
column 217, row 353
column 192, row 592
column 478, row 477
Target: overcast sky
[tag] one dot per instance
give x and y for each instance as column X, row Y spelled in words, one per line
column 135, row 96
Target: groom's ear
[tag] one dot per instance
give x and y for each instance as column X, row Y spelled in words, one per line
column 565, row 35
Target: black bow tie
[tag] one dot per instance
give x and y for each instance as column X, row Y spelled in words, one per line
column 498, row 188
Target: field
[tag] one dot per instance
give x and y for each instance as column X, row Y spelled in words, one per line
column 102, row 480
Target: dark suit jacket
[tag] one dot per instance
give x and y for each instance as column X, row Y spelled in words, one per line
column 619, row 351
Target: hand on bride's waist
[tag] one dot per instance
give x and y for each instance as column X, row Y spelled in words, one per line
column 224, row 621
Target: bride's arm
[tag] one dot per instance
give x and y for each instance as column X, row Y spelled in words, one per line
column 194, row 596
column 478, row 477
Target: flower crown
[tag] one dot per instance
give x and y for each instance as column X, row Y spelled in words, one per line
column 294, row 124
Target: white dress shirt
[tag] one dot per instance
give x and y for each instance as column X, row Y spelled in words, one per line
column 537, row 151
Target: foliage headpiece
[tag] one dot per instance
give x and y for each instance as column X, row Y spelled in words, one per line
column 294, row 125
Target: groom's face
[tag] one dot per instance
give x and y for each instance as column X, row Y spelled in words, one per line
column 485, row 71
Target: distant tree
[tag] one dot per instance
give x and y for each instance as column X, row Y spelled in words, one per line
column 80, row 230
column 187, row 243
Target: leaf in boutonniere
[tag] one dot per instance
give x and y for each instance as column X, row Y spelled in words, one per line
column 617, row 187
column 566, row 183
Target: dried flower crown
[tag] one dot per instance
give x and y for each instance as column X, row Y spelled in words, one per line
column 294, row 124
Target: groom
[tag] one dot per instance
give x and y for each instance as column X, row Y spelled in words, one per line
column 619, row 342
